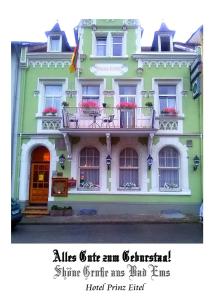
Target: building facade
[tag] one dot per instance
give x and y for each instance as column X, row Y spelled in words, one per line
column 122, row 133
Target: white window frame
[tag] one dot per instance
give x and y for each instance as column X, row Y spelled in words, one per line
column 105, row 44
column 129, row 168
column 89, row 167
column 178, row 82
column 167, row 95
column 90, row 82
column 41, row 88
column 170, row 42
column 42, row 83
column 109, row 43
column 49, row 43
column 113, row 35
column 167, row 188
column 183, row 164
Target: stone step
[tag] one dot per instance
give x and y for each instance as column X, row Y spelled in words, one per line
column 36, row 210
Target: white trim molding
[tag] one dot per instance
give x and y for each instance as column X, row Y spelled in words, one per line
column 26, row 165
column 183, row 172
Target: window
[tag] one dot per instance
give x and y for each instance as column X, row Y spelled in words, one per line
column 101, row 45
column 117, row 43
column 89, row 167
column 109, row 44
column 128, row 164
column 127, row 93
column 167, row 98
column 54, row 43
column 165, row 42
column 168, row 168
column 90, row 92
column 53, row 96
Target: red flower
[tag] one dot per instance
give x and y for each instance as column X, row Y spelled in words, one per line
column 52, row 110
column 169, row 110
column 128, row 105
column 89, row 104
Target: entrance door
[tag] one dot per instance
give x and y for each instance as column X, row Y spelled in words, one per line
column 39, row 182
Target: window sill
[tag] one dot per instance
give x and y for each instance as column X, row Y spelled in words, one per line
column 170, row 190
column 170, row 116
column 88, row 189
column 129, row 189
column 108, row 57
column 39, row 116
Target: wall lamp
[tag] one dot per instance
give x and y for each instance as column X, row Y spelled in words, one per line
column 196, row 161
column 62, row 160
column 108, row 161
column 149, row 161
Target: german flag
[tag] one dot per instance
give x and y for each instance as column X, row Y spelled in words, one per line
column 74, row 58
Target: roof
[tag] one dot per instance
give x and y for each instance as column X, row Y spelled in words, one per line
column 42, row 47
column 57, row 30
column 163, row 29
column 196, row 37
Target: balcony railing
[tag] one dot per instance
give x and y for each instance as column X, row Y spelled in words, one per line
column 110, row 117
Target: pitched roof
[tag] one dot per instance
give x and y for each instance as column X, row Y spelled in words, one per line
column 163, row 29
column 196, row 37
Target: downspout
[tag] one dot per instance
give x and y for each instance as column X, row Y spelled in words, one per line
column 14, row 118
column 20, row 126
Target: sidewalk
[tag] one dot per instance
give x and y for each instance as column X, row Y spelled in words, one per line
column 109, row 219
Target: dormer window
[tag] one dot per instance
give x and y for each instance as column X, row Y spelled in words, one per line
column 163, row 39
column 54, row 43
column 165, row 43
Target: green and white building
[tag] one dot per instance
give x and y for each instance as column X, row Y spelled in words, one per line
column 128, row 121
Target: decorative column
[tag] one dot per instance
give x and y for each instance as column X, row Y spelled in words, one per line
column 68, row 145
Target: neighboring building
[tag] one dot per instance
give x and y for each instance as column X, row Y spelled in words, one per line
column 123, row 128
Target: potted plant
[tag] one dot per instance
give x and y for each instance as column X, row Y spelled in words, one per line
column 56, row 211
column 61, row 211
column 89, row 106
column 126, row 105
column 169, row 111
column 67, row 211
column 65, row 103
column 50, row 111
column 149, row 104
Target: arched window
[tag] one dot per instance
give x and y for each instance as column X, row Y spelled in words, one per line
column 128, row 168
column 89, row 167
column 169, row 168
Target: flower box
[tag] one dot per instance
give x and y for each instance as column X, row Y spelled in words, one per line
column 89, row 106
column 61, row 211
column 49, row 111
column 126, row 105
column 169, row 111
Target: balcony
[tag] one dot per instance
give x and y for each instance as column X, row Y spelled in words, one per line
column 76, row 119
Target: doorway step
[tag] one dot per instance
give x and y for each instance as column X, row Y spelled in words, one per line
column 36, row 210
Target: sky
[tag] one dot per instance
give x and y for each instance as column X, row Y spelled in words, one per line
column 31, row 22
column 27, row 20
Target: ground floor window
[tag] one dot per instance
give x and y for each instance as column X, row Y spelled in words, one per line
column 128, row 165
column 89, row 167
column 168, row 168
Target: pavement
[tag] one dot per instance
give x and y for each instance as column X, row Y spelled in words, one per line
column 109, row 219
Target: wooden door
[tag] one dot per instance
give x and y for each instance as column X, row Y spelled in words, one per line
column 39, row 183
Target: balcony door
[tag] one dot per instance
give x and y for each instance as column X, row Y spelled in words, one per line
column 39, row 180
column 127, row 94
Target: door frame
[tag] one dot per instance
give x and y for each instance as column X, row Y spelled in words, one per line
column 31, row 201
column 25, row 165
